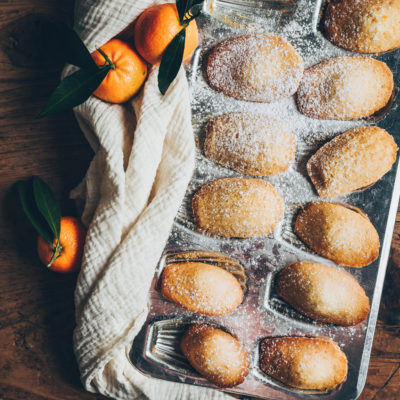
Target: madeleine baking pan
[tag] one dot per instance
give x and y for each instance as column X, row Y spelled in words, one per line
column 255, row 261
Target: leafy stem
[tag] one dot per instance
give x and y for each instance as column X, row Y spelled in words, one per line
column 172, row 57
column 77, row 87
column 43, row 211
column 187, row 21
column 171, row 61
column 57, row 249
column 107, row 59
column 188, row 8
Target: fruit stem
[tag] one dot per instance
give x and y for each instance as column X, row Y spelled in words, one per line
column 108, row 61
column 190, row 17
column 57, row 249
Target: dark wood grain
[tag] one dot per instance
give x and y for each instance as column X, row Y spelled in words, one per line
column 36, row 305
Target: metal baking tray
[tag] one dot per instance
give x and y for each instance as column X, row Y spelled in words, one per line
column 155, row 350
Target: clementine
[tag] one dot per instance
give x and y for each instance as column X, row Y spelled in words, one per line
column 69, row 255
column 155, row 29
column 127, row 75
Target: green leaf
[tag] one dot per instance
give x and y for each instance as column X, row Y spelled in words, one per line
column 25, row 191
column 47, row 205
column 75, row 89
column 188, row 8
column 64, row 40
column 171, row 61
column 75, row 50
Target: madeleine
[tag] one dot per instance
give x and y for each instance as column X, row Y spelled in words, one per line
column 323, row 294
column 237, row 207
column 351, row 161
column 252, row 144
column 262, row 68
column 201, row 288
column 304, row 363
column 345, row 88
column 344, row 235
column 216, row 355
column 365, row 26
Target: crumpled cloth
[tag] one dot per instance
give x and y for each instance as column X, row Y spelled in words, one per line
column 144, row 158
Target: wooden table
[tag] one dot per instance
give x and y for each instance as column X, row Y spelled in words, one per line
column 36, row 308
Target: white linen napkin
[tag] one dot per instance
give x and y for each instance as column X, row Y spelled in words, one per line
column 144, row 158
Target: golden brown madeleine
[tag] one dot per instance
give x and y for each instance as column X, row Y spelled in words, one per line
column 352, row 160
column 339, row 233
column 304, row 363
column 237, row 207
column 252, row 144
column 260, row 67
column 365, row 26
column 345, row 88
column 322, row 293
column 216, row 355
column 201, row 288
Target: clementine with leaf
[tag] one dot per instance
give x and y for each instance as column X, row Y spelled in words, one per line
column 127, row 74
column 65, row 256
column 155, row 29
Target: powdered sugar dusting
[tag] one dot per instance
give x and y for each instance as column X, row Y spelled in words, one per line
column 352, row 160
column 260, row 315
column 257, row 67
column 345, row 88
column 237, row 207
column 250, row 143
column 366, row 26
